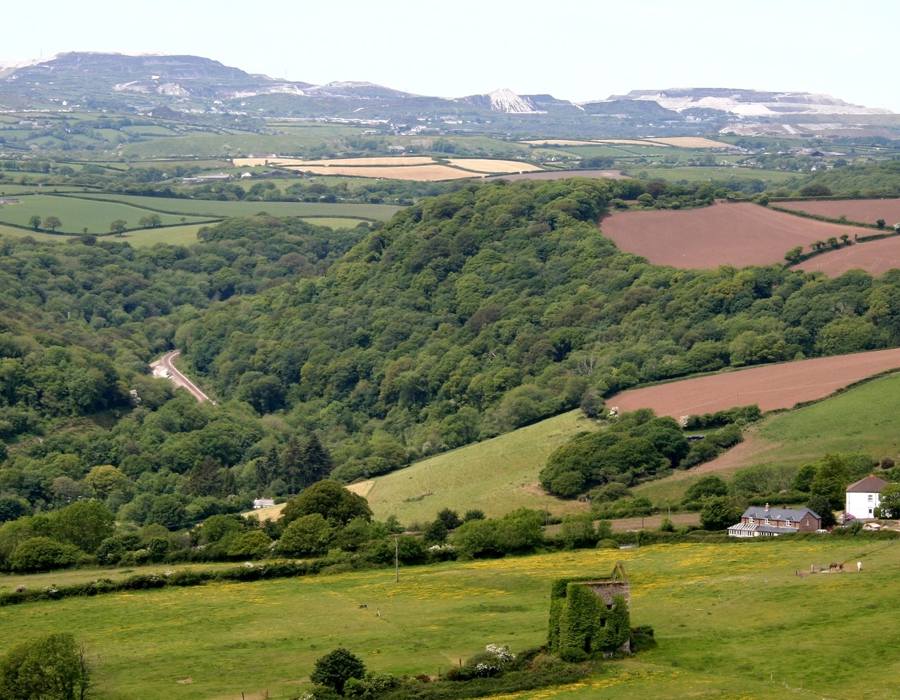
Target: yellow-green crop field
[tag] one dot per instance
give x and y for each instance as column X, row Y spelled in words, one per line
column 732, row 621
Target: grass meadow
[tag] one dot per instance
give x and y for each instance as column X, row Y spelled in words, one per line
column 732, row 621
column 214, row 208
column 697, row 174
column 496, row 475
column 78, row 214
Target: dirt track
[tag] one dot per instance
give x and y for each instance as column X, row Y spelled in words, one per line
column 865, row 210
column 723, row 234
column 875, row 257
column 771, row 387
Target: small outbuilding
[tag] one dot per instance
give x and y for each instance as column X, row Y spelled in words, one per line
column 863, row 497
column 262, row 503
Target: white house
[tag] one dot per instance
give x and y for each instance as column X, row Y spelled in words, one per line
column 262, row 503
column 863, row 497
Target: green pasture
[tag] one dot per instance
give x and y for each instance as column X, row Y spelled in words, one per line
column 732, row 621
column 697, row 174
column 36, row 235
column 496, row 475
column 78, row 213
column 215, row 208
column 233, row 144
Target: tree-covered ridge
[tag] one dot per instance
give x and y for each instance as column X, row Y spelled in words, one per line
column 480, row 311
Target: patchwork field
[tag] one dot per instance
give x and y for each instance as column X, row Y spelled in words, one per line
column 496, row 475
column 416, row 173
column 867, row 211
column 724, row 234
column 215, row 208
column 875, row 257
column 79, row 214
column 354, row 162
column 562, row 174
column 705, row 601
column 417, row 168
column 486, row 165
column 770, row 386
column 864, row 419
column 692, row 142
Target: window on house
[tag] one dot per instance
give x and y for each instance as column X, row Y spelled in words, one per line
column 871, row 497
column 767, row 521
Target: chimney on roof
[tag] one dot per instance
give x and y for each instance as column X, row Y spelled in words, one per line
column 767, row 507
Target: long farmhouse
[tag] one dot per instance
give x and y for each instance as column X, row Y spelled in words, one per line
column 767, row 522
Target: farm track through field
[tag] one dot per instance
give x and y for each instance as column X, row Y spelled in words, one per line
column 724, row 234
column 771, row 387
column 875, row 257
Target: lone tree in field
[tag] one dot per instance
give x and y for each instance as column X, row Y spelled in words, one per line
column 53, row 666
column 35, row 222
column 52, row 223
column 336, row 668
column 150, row 221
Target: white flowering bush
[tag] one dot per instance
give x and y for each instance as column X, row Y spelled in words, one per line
column 502, row 652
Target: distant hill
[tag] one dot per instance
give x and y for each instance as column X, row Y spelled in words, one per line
column 196, row 85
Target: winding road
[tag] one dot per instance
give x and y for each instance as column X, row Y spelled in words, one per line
column 165, row 368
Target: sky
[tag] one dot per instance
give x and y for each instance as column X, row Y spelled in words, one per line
column 573, row 49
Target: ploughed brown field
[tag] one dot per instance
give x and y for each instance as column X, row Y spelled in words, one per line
column 868, row 211
column 875, row 257
column 723, row 234
column 770, row 387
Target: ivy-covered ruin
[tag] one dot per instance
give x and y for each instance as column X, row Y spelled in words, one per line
column 591, row 615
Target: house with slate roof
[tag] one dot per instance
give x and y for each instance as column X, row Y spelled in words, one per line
column 772, row 522
column 863, row 497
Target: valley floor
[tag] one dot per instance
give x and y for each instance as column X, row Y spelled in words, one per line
column 733, row 620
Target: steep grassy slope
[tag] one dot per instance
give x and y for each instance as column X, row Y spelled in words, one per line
column 864, row 419
column 705, row 601
column 495, row 476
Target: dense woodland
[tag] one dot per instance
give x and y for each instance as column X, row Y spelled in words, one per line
column 466, row 316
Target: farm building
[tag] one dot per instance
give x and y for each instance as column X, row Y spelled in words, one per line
column 8, row 200
column 767, row 522
column 200, row 179
column 863, row 497
column 262, row 503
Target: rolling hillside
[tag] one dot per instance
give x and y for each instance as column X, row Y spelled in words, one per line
column 495, row 476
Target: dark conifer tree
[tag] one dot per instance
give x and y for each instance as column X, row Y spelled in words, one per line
column 316, row 462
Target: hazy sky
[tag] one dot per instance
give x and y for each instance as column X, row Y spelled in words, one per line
column 574, row 49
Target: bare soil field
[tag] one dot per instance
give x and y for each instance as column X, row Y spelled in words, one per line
column 770, row 387
column 723, row 234
column 875, row 257
column 561, row 174
column 486, row 165
column 419, row 173
column 867, row 211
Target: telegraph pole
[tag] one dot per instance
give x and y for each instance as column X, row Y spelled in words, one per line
column 397, row 557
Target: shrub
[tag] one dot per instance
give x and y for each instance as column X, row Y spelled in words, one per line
column 719, row 514
column 51, row 667
column 40, row 553
column 330, row 500
column 307, row 535
column 336, row 668
column 251, row 544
